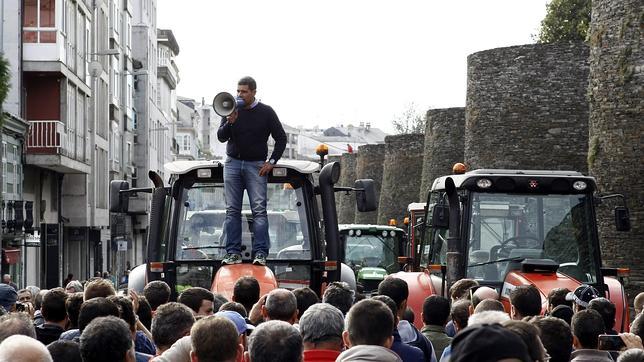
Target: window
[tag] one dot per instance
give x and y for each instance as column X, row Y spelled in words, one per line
column 39, row 21
column 186, row 143
column 11, row 169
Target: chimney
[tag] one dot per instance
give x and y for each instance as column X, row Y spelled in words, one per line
column 361, row 124
column 203, row 101
column 368, row 126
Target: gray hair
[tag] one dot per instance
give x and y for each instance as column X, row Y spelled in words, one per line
column 281, row 304
column 19, row 348
column 488, row 317
column 16, row 323
column 75, row 285
column 275, row 341
column 631, row 355
column 321, row 322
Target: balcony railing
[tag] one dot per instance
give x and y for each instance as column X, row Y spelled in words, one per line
column 53, row 137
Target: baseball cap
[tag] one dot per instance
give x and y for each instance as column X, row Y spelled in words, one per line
column 8, row 296
column 237, row 319
column 583, row 295
column 488, row 342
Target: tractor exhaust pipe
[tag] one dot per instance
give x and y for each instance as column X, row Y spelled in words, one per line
column 455, row 267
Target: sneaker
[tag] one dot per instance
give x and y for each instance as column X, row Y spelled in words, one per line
column 231, row 259
column 260, row 259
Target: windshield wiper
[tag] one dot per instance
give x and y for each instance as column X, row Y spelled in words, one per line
column 516, row 258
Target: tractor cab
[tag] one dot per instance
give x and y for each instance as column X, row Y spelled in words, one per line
column 371, row 251
column 506, row 228
column 187, row 234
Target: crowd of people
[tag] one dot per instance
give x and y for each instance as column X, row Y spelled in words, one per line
column 91, row 322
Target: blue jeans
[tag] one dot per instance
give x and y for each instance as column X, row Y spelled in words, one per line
column 240, row 175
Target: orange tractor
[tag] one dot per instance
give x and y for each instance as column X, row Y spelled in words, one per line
column 506, row 228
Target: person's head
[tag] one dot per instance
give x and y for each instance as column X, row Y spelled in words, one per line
column 8, row 297
column 74, row 286
column 557, row 296
column 19, row 348
column 107, row 339
column 65, row 351
column 436, row 310
column 38, row 298
column 637, row 327
column 482, row 293
column 246, row 292
column 16, row 323
column 631, row 355
column 172, row 321
column 339, row 295
column 218, row 301
column 275, row 341
column 489, row 304
column 488, row 317
column 391, row 305
column 409, row 315
column 530, row 336
column 215, row 339
column 556, row 337
column 34, row 292
column 94, row 308
column 397, row 290
column 281, row 304
column 25, row 296
column 563, row 312
column 638, row 303
column 606, row 309
column 157, row 292
column 488, row 343
column 582, row 295
column 461, row 288
column 99, row 288
column 72, row 306
column 235, row 307
column 126, row 310
column 321, row 327
column 200, row 300
column 306, row 297
column 586, row 326
column 247, row 88
column 460, row 313
column 369, row 322
column 525, row 301
column 6, row 278
column 53, row 306
column 144, row 312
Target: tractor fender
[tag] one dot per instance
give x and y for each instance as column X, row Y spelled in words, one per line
column 618, row 297
column 421, row 285
column 136, row 279
column 348, row 275
column 227, row 275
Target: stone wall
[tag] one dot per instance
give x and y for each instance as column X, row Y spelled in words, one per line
column 526, row 107
column 346, row 203
column 444, row 145
column 401, row 175
column 369, row 164
column 616, row 137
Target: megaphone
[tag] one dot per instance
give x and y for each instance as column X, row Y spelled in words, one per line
column 225, row 104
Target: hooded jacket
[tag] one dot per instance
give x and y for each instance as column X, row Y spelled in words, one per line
column 368, row 353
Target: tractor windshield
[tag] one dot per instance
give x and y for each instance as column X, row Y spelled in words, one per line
column 505, row 229
column 201, row 232
column 379, row 249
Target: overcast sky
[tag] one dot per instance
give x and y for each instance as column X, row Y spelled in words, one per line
column 337, row 62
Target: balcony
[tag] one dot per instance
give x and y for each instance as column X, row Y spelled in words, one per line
column 53, row 146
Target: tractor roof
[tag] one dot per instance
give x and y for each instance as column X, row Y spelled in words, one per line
column 460, row 179
column 183, row 167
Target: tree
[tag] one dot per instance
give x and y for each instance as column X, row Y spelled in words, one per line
column 409, row 121
column 565, row 21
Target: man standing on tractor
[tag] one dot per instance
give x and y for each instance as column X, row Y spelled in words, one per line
column 246, row 167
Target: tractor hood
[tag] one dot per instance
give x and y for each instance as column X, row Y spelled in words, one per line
column 544, row 281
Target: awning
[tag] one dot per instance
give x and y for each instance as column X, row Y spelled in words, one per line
column 11, row 256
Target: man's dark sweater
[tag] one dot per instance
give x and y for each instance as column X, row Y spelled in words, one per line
column 247, row 137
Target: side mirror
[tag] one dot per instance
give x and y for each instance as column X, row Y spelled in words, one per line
column 366, row 197
column 118, row 202
column 622, row 219
column 440, row 216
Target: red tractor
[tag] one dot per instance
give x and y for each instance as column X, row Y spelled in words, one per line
column 506, row 228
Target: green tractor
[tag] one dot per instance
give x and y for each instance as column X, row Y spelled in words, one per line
column 372, row 252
